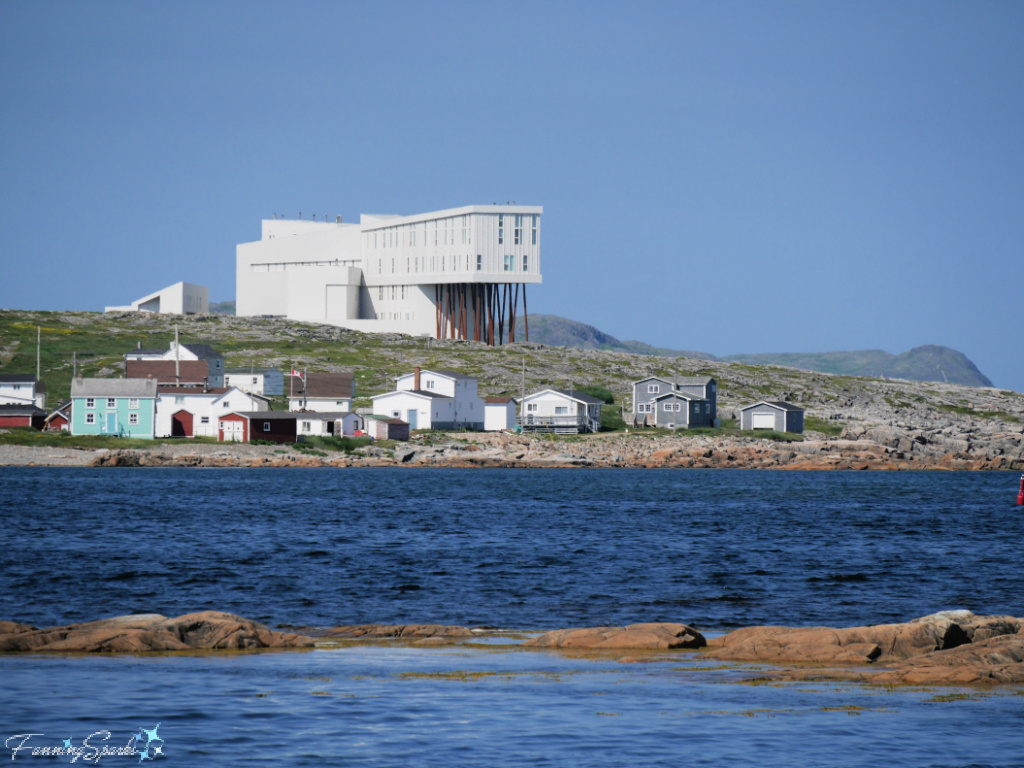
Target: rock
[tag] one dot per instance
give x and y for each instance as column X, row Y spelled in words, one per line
column 401, row 631
column 655, row 636
column 841, row 646
column 207, row 630
column 998, row 659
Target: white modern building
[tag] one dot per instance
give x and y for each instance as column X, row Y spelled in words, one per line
column 457, row 273
column 177, row 299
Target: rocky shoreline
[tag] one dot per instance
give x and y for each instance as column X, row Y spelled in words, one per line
column 854, row 449
column 949, row 648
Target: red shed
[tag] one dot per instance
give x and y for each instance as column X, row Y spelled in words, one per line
column 22, row 416
column 243, row 426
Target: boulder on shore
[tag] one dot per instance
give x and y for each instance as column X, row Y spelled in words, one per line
column 655, row 636
column 206, row 630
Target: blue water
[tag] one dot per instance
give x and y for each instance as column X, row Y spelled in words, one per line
column 512, row 548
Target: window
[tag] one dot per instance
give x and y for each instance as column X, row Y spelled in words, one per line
column 479, row 262
column 90, row 402
column 519, row 229
column 561, row 409
column 204, row 420
column 501, row 229
column 266, row 426
column 16, row 387
column 380, row 292
column 644, row 408
column 531, row 407
column 430, row 385
column 255, row 380
column 526, row 263
column 133, row 418
column 396, row 414
column 534, row 230
column 90, row 418
column 111, row 402
column 670, row 407
column 179, row 400
column 307, row 426
column 508, row 262
column 653, row 388
column 133, row 403
column 227, row 404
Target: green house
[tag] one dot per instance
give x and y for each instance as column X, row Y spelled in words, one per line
column 122, row 407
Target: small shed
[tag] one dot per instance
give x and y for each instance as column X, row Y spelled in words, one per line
column 386, row 428
column 779, row 416
column 28, row 415
column 499, row 413
column 243, row 426
column 60, row 419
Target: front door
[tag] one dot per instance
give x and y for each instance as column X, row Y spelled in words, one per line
column 233, row 431
column 411, row 418
column 111, row 423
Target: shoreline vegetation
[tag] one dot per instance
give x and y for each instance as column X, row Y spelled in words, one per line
column 952, row 648
column 878, row 449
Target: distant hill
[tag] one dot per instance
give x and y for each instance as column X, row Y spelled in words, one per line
column 927, row 363
column 222, row 308
column 561, row 332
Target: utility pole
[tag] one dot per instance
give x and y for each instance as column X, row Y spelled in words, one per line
column 39, row 347
column 177, row 359
column 74, row 365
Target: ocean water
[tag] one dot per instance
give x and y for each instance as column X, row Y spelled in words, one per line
column 528, row 549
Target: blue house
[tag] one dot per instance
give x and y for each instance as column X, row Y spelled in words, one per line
column 122, row 407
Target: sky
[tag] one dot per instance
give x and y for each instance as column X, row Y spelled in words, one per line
column 727, row 177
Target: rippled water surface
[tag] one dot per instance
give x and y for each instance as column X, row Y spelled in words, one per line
column 514, row 548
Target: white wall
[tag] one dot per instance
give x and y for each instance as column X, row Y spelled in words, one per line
column 429, row 411
column 209, row 405
column 498, row 416
column 547, row 402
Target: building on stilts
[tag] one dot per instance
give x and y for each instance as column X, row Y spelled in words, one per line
column 460, row 273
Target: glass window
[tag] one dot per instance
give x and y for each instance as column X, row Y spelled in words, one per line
column 653, row 388
column 111, row 402
column 561, row 409
column 133, row 418
column 307, row 426
column 519, row 229
column 266, row 426
column 501, row 229
column 526, row 263
column 133, row 403
column 90, row 418
column 179, row 400
column 531, row 407
column 90, row 402
column 204, row 420
column 534, row 230
column 479, row 262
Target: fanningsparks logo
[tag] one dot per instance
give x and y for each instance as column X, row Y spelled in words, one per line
column 145, row 743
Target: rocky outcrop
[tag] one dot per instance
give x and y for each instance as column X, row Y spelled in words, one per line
column 400, row 631
column 997, row 659
column 657, row 636
column 852, row 645
column 207, row 630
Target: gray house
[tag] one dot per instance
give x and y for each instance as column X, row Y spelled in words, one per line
column 782, row 417
column 675, row 402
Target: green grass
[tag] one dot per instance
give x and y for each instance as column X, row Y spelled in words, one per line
column 828, row 428
column 331, row 443
column 965, row 411
column 29, row 436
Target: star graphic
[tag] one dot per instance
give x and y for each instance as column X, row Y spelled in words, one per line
column 67, row 743
column 144, row 756
column 158, row 750
column 151, row 734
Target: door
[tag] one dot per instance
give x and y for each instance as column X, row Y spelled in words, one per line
column 411, row 418
column 763, row 421
column 181, row 424
column 233, row 431
column 111, row 423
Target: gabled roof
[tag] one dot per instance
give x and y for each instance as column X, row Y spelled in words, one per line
column 202, row 351
column 388, row 420
column 498, row 400
column 163, row 370
column 693, row 381
column 449, row 374
column 144, row 388
column 211, row 391
column 17, row 378
column 430, row 395
column 252, row 371
column 572, row 394
column 774, row 404
column 681, row 396
column 331, row 385
column 12, row 409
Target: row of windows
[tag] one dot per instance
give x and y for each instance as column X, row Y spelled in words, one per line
column 672, row 407
column 510, row 263
column 283, row 266
column 395, row 292
column 438, row 231
column 560, row 410
column 133, row 402
column 133, row 418
column 517, row 231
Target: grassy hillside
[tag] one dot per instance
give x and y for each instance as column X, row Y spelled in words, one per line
column 100, row 341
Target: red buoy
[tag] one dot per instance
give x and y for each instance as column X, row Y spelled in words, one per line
column 1020, row 496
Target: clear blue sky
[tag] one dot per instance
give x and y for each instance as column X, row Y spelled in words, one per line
column 724, row 177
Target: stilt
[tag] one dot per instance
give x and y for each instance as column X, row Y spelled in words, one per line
column 526, row 315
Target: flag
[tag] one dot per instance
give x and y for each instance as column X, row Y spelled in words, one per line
column 296, row 373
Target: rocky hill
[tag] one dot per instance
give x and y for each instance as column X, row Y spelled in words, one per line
column 911, row 418
column 926, row 363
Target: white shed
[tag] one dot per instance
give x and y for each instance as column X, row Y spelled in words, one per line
column 499, row 413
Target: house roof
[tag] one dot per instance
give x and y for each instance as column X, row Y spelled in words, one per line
column 62, row 409
column 252, row 371
column 321, row 415
column 389, row 420
column 450, row 374
column 420, row 392
column 498, row 400
column 774, row 404
column 17, row 378
column 341, row 384
column 12, row 409
column 572, row 394
column 164, row 370
column 267, row 415
column 212, row 391
column 202, row 351
column 691, row 381
column 681, row 396
column 145, row 388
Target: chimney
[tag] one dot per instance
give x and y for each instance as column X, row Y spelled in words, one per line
column 140, row 345
column 416, row 378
